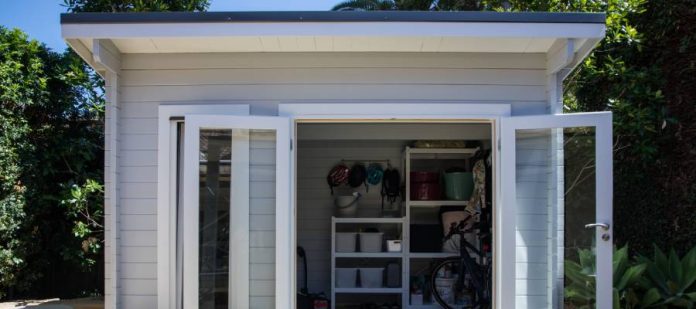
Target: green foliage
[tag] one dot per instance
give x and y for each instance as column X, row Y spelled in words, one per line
column 661, row 282
column 580, row 287
column 77, row 6
column 51, row 134
column 22, row 86
column 84, row 205
column 670, row 282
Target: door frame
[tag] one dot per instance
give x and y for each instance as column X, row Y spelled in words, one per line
column 169, row 115
column 385, row 112
column 602, row 122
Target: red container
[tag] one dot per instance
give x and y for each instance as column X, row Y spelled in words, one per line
column 418, row 177
column 425, row 191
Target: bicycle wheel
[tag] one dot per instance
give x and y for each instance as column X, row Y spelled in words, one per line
column 451, row 287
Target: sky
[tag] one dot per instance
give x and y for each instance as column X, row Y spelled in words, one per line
column 40, row 19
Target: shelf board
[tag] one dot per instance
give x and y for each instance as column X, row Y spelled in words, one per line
column 441, row 153
column 368, row 220
column 435, row 203
column 368, row 254
column 430, row 255
column 369, row 290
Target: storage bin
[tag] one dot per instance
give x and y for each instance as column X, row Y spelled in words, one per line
column 346, row 277
column 371, row 277
column 425, row 191
column 459, row 185
column 347, row 205
column 371, row 242
column 394, row 245
column 345, row 242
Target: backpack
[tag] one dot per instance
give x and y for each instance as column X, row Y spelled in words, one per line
column 391, row 185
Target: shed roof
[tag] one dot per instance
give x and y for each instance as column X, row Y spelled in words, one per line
column 566, row 38
column 333, row 16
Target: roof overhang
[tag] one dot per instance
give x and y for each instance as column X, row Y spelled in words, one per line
column 347, row 31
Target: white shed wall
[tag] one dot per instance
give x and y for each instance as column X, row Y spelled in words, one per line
column 266, row 79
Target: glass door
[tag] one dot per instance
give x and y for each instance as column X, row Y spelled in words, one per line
column 556, row 211
column 236, row 172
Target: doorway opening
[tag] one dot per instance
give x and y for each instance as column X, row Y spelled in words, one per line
column 375, row 202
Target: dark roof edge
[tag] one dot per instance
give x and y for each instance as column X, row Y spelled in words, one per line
column 331, row 16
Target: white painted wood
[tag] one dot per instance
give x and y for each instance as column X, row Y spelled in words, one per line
column 106, row 56
column 112, row 190
column 560, row 56
column 393, row 36
column 238, row 286
column 166, row 190
column 244, row 76
column 446, row 61
column 525, row 253
column 256, row 287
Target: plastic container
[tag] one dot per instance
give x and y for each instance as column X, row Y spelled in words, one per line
column 346, row 277
column 371, row 242
column 345, row 242
column 394, row 245
column 371, row 277
column 459, row 185
column 347, row 205
column 417, row 177
column 425, row 191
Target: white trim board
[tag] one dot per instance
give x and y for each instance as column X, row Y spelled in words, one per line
column 391, row 112
column 166, row 192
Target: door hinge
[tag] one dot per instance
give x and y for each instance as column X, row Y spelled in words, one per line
column 291, row 144
column 498, row 144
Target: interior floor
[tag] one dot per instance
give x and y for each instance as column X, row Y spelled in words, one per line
column 413, row 218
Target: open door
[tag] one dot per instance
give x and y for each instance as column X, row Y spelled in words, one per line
column 556, row 210
column 236, row 188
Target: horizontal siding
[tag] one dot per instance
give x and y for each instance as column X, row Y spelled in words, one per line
column 263, row 80
column 262, row 221
column 533, row 235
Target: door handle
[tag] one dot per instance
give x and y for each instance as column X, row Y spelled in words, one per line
column 604, row 226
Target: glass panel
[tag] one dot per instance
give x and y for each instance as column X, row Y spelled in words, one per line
column 556, row 197
column 236, row 205
column 214, row 223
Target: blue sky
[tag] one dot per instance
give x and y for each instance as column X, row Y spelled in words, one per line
column 40, row 18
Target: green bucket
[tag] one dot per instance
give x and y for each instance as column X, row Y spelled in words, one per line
column 459, row 185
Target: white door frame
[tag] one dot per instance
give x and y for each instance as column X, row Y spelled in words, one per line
column 390, row 112
column 602, row 122
column 239, row 275
column 167, row 290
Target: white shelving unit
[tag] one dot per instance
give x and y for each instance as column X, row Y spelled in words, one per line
column 405, row 256
column 400, row 222
column 409, row 155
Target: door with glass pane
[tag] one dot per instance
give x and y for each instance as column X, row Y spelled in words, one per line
column 557, row 193
column 235, row 182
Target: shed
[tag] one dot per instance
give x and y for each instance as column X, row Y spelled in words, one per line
column 223, row 130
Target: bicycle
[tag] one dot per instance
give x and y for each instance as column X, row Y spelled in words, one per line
column 468, row 275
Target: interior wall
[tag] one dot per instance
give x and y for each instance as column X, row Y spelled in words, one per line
column 315, row 202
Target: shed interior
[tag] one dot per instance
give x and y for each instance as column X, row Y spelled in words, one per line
column 347, row 249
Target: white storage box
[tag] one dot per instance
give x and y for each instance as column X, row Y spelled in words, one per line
column 371, row 277
column 394, row 245
column 371, row 242
column 345, row 242
column 346, row 277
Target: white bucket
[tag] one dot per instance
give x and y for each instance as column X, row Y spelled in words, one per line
column 345, row 242
column 346, row 277
column 371, row 277
column 347, row 205
column 371, row 242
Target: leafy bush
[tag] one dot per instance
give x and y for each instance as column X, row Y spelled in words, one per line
column 661, row 282
column 669, row 281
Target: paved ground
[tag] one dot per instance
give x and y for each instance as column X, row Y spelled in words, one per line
column 82, row 303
